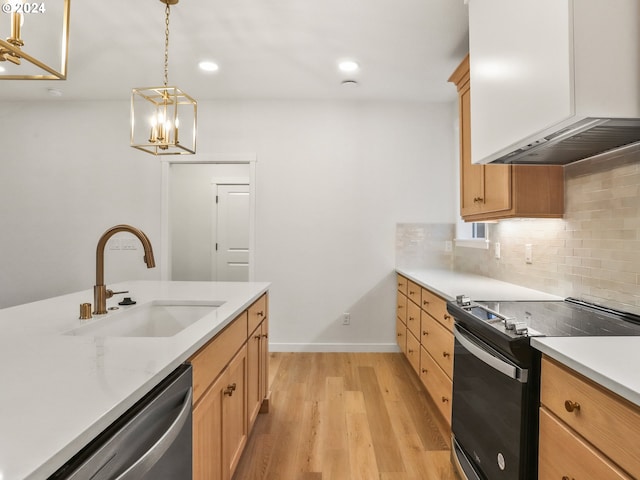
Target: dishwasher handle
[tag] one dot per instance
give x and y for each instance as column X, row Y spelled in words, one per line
column 506, row 368
column 151, row 456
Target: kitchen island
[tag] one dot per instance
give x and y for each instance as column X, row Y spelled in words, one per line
column 59, row 391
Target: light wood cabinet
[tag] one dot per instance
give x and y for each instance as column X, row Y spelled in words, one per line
column 490, row 192
column 601, row 428
column 230, row 384
column 427, row 341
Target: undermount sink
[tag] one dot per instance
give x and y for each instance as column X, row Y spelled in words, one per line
column 159, row 318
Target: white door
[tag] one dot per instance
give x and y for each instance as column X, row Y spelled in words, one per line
column 231, row 236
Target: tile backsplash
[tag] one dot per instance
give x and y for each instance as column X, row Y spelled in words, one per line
column 592, row 253
column 424, row 245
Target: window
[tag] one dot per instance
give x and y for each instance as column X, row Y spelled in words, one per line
column 473, row 235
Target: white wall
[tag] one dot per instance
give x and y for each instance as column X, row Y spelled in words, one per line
column 332, row 181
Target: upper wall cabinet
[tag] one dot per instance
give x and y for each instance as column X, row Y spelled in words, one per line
column 490, row 192
column 553, row 78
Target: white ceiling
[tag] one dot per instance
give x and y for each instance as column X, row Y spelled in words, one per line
column 266, row 49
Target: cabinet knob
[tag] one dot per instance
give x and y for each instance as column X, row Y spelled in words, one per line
column 265, row 335
column 571, row 406
column 425, row 302
column 257, row 337
column 411, row 293
column 411, row 318
column 445, row 399
column 447, row 317
column 400, row 306
column 425, row 371
column 410, row 351
column 425, row 333
column 446, row 354
column 399, row 334
column 260, row 313
column 230, row 389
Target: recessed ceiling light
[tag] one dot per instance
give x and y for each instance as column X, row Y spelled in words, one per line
column 208, row 66
column 348, row 66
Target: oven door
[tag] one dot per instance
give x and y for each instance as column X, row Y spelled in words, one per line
column 490, row 412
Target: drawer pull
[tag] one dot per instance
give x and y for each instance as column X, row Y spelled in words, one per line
column 571, row 406
column 445, row 399
column 425, row 302
column 446, row 354
column 425, row 371
column 230, row 389
column 265, row 335
column 257, row 337
column 410, row 351
column 411, row 318
column 564, row 477
column 425, row 333
column 400, row 306
column 399, row 334
column 260, row 313
column 447, row 317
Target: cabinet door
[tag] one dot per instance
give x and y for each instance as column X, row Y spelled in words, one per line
column 497, row 193
column 207, row 433
column 254, row 380
column 234, row 412
column 471, row 176
column 264, row 367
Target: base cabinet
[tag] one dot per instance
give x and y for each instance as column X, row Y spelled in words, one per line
column 427, row 340
column 230, row 389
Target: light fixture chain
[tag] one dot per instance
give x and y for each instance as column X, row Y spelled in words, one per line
column 166, row 45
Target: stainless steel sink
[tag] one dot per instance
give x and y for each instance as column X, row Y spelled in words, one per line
column 159, row 318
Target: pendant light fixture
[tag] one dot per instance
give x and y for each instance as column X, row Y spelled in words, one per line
column 38, row 43
column 163, row 119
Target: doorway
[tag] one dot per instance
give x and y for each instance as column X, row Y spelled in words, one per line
column 190, row 217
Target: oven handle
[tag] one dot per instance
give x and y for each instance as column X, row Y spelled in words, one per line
column 508, row 369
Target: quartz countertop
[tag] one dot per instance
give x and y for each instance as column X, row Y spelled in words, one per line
column 448, row 284
column 60, row 391
column 613, row 362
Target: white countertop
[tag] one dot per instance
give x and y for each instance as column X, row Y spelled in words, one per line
column 60, row 391
column 448, row 284
column 613, row 362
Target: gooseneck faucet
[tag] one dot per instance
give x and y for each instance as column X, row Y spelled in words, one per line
column 100, row 291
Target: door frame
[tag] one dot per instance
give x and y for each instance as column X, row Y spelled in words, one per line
column 165, row 221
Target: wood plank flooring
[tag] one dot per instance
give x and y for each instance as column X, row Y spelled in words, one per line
column 346, row 416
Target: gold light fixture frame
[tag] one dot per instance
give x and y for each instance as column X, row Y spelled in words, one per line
column 11, row 48
column 164, row 119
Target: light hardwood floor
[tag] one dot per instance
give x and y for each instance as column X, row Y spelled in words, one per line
column 346, row 416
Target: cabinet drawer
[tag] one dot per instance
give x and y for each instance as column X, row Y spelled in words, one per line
column 413, row 351
column 437, row 384
column 401, row 307
column 413, row 318
column 402, row 284
column 607, row 421
column 565, row 455
column 438, row 341
column 401, row 334
column 211, row 359
column 257, row 312
column 437, row 308
column 413, row 292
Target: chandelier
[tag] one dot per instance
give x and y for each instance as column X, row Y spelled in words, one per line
column 38, row 43
column 163, row 119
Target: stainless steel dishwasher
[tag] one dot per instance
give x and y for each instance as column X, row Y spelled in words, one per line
column 152, row 440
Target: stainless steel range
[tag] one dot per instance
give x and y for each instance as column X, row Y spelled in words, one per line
column 496, row 378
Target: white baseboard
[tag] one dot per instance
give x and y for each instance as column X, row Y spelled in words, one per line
column 334, row 347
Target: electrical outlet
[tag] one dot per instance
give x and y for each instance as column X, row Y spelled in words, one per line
column 496, row 250
column 528, row 253
column 114, row 244
column 346, row 318
column 448, row 246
